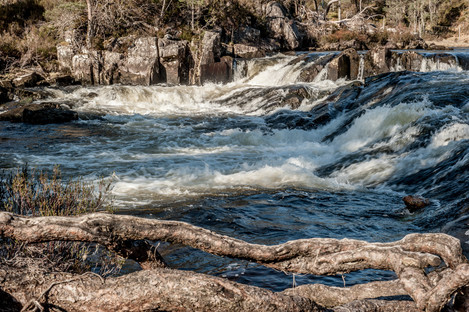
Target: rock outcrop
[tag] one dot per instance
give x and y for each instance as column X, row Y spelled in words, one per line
column 281, row 27
column 345, row 65
column 175, row 60
column 43, row 113
column 212, row 67
column 378, row 61
column 133, row 61
column 141, row 65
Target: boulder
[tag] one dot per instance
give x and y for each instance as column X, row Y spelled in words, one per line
column 44, row 113
column 377, row 61
column 82, row 68
column 140, row 67
column 211, row 48
column 247, row 35
column 174, row 59
column 415, row 203
column 411, row 60
column 416, row 44
column 437, row 47
column 247, row 51
column 28, row 80
column 110, row 70
column 60, row 79
column 44, row 116
column 65, row 55
column 4, row 96
column 281, row 27
column 345, row 65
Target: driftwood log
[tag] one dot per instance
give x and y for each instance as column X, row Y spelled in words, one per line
column 431, row 269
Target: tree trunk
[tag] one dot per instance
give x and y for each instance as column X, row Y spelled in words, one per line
column 408, row 258
column 90, row 26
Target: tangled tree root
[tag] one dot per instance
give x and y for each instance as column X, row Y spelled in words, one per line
column 430, row 268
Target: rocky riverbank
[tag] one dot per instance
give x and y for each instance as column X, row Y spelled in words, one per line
column 150, row 60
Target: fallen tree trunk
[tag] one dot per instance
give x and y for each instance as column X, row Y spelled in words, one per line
column 151, row 290
column 408, row 257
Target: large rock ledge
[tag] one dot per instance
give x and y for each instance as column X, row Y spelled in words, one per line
column 38, row 114
column 147, row 61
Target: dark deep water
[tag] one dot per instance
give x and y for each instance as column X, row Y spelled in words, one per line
column 235, row 159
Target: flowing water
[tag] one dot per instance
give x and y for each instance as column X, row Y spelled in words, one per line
column 241, row 160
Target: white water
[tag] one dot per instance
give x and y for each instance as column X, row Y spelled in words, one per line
column 429, row 65
column 174, row 142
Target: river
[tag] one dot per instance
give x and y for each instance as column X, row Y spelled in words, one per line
column 236, row 159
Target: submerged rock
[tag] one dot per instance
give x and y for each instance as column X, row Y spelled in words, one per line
column 415, row 203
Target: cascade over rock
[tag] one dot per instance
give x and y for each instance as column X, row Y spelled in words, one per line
column 411, row 60
column 149, row 60
column 310, row 72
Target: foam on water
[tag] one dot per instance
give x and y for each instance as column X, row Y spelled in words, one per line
column 169, row 142
column 430, row 65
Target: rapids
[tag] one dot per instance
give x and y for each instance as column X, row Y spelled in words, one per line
column 241, row 160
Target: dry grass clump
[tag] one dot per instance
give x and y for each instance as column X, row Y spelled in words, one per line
column 34, row 193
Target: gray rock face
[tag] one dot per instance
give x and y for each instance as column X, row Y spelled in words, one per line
column 248, row 35
column 378, row 61
column 82, row 68
column 140, row 67
column 247, row 51
column 345, row 65
column 173, row 59
column 145, row 61
column 282, row 27
column 217, row 72
column 65, row 55
column 210, row 67
column 211, row 48
column 110, row 72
